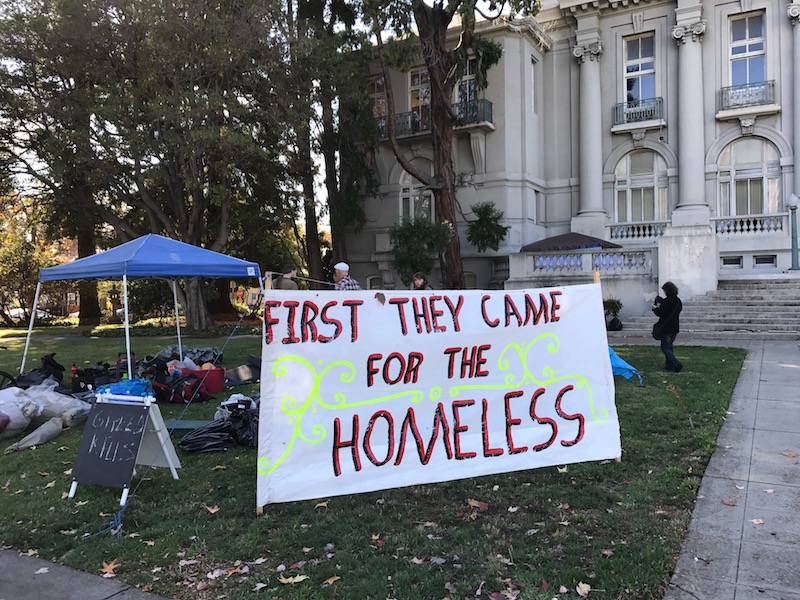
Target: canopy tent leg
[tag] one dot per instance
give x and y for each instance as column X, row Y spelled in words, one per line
column 30, row 326
column 127, row 324
column 177, row 317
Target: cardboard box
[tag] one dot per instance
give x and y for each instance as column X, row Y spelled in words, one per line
column 214, row 378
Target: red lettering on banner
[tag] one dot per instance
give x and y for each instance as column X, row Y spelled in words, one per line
column 387, row 416
column 337, row 324
column 353, row 304
column 455, row 310
column 269, row 320
column 554, row 305
column 421, row 314
column 408, row 370
column 308, row 329
column 410, row 424
column 531, row 312
column 542, row 421
column 291, row 337
column 458, row 429
column 511, row 311
column 487, row 450
column 339, row 443
column 486, row 320
column 511, row 422
column 576, row 417
column 470, row 364
column 399, row 302
column 436, row 313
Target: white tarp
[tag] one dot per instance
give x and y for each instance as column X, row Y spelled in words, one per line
column 371, row 390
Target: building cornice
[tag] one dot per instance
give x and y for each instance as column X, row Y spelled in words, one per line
column 793, row 12
column 577, row 7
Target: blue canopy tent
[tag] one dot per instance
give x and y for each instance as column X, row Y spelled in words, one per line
column 148, row 257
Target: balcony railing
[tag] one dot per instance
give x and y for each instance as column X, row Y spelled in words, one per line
column 638, row 231
column 419, row 120
column 751, row 94
column 637, row 111
column 751, row 224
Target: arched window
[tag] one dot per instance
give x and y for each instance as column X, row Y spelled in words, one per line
column 641, row 187
column 749, row 176
column 415, row 200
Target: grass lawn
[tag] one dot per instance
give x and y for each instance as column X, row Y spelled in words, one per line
column 616, row 526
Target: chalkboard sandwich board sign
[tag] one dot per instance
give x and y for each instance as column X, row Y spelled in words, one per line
column 121, row 432
column 110, row 444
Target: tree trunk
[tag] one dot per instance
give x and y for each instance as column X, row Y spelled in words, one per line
column 90, row 305
column 313, row 247
column 329, row 147
column 194, row 305
column 432, row 23
column 221, row 304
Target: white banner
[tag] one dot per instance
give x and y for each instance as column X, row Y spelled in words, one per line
column 370, row 390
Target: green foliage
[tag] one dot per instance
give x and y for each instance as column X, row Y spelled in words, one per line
column 416, row 244
column 612, row 306
column 486, row 231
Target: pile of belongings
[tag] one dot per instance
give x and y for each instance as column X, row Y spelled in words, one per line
column 235, row 422
column 43, row 405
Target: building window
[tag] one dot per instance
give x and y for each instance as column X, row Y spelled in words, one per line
column 641, row 187
column 415, row 200
column 749, row 176
column 640, row 68
column 467, row 88
column 747, row 50
column 419, row 97
column 378, row 93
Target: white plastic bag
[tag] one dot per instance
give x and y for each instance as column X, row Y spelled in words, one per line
column 19, row 408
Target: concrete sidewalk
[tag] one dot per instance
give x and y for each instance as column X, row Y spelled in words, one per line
column 744, row 536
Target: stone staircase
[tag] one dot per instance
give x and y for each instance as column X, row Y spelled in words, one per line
column 765, row 309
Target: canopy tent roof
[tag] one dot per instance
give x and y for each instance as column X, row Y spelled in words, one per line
column 568, row 241
column 152, row 256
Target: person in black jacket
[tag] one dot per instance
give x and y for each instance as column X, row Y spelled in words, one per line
column 668, row 310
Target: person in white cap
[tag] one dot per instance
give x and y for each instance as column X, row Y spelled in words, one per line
column 342, row 279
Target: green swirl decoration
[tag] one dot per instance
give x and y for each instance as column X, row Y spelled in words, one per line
column 549, row 375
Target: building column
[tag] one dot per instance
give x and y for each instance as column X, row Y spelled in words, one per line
column 687, row 252
column 692, row 207
column 793, row 12
column 591, row 217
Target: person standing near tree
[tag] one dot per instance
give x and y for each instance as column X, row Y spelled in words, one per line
column 420, row 281
column 287, row 280
column 668, row 310
column 342, row 279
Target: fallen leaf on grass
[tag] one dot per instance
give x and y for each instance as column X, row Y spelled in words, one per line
column 215, row 573
column 64, row 495
column 478, row 504
column 68, row 472
column 30, row 552
column 43, row 473
column 108, row 567
column 608, row 553
column 41, row 571
column 218, row 467
column 295, row 579
column 201, row 586
column 148, row 542
column 259, row 587
column 513, row 509
column 62, row 448
column 562, row 589
column 438, row 560
column 306, row 549
column 68, row 531
column 82, row 503
column 186, row 563
column 211, row 509
column 322, row 504
column 562, row 469
column 331, row 580
column 51, row 484
column 583, row 589
column 258, row 561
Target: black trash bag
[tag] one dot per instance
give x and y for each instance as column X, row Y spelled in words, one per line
column 244, row 427
column 50, row 365
column 213, row 437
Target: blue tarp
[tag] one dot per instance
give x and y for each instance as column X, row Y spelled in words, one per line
column 152, row 256
column 620, row 367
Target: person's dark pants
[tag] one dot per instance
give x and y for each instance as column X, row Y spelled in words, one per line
column 667, row 339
